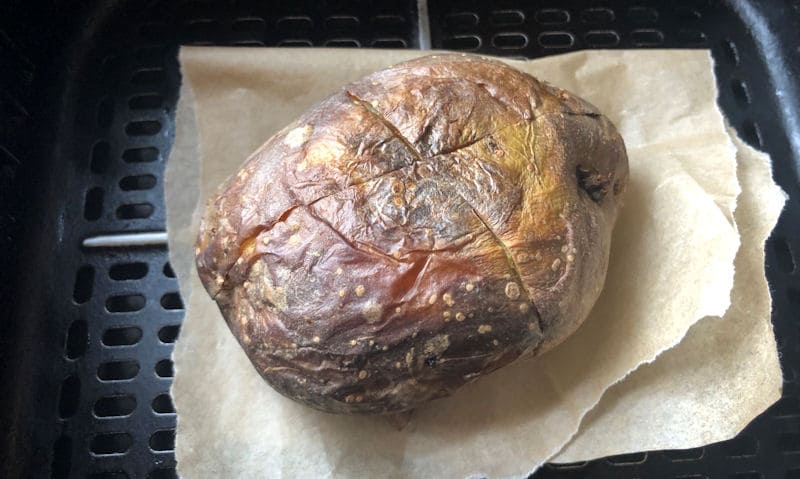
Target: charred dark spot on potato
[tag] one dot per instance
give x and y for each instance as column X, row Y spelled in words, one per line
column 494, row 147
column 592, row 182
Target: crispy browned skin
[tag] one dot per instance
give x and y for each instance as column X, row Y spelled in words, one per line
column 424, row 226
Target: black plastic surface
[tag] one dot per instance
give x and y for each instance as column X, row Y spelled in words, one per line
column 86, row 353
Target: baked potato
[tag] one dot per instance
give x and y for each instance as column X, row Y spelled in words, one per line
column 423, row 226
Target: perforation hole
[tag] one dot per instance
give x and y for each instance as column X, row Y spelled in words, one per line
column 105, row 112
column 783, row 255
column 62, row 458
column 510, row 41
column 507, row 17
column 163, row 440
column 751, row 133
column 601, row 38
column 567, row 466
column 143, row 128
column 389, row 43
column 101, row 157
column 597, row 15
column 133, row 211
column 162, row 474
column 691, row 37
column 168, row 334
column 140, row 155
column 137, row 182
column 740, row 446
column 168, row 271
column 84, row 284
column 685, row 455
column 164, row 368
column 114, row 406
column 747, row 475
column 93, row 204
column 461, row 20
column 556, row 39
column 117, row 370
column 171, row 301
column 647, row 38
column 69, row 396
column 642, row 15
column 248, row 43
column 294, row 24
column 387, row 21
column 786, row 407
column 145, row 102
column 77, row 339
column 341, row 22
column 122, row 336
column 462, row 42
column 552, row 16
column 295, row 43
column 125, row 303
column 150, row 76
column 128, row 271
column 740, row 92
column 730, row 52
column 249, row 24
column 342, row 43
column 111, row 443
column 162, row 404
column 200, row 28
column 628, row 459
column 109, row 475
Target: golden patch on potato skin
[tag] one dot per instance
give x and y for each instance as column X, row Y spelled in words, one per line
column 424, row 226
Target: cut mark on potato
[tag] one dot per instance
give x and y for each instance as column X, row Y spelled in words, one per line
column 509, row 257
column 388, row 124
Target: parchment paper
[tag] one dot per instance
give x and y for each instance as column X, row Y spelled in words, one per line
column 671, row 264
column 724, row 372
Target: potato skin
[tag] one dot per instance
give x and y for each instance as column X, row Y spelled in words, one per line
column 424, row 226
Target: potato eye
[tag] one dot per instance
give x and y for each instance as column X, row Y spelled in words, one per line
column 592, row 182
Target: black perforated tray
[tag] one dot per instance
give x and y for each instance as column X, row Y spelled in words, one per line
column 87, row 98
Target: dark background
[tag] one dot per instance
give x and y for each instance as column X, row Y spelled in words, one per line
column 87, row 100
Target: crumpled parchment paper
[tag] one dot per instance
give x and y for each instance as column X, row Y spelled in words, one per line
column 724, row 372
column 671, row 265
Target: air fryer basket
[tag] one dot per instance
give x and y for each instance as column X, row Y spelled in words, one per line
column 87, row 101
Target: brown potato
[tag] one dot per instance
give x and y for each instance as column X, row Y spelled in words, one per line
column 424, row 226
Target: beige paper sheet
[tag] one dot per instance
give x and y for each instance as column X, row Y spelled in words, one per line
column 671, row 264
column 693, row 394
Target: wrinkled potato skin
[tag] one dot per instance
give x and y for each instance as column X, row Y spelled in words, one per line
column 422, row 227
